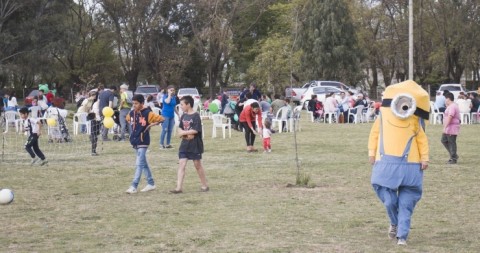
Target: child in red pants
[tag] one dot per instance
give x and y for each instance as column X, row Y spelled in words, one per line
column 266, row 134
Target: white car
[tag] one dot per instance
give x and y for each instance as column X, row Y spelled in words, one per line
column 189, row 92
column 321, row 93
column 453, row 88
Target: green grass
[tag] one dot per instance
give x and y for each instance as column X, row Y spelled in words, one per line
column 80, row 205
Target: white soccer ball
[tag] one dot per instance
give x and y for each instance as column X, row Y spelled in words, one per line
column 6, row 196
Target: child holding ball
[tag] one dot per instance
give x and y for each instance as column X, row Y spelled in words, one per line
column 141, row 118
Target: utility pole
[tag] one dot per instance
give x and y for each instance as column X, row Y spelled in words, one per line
column 410, row 39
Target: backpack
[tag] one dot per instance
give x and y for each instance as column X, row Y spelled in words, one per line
column 79, row 103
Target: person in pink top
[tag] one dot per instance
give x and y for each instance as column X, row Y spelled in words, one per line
column 451, row 127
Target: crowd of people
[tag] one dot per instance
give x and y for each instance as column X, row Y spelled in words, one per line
column 341, row 106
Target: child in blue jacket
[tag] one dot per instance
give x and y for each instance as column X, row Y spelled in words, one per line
column 141, row 118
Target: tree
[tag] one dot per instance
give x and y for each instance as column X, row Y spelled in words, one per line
column 211, row 22
column 276, row 58
column 327, row 38
column 170, row 56
column 132, row 20
column 83, row 47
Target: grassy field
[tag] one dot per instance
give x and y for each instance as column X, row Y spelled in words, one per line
column 79, row 205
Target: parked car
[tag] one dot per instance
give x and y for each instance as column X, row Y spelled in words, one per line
column 149, row 89
column 453, row 88
column 321, row 93
column 296, row 94
column 189, row 92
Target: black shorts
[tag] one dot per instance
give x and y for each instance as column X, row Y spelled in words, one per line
column 189, row 156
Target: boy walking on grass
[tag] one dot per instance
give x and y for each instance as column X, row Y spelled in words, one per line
column 191, row 147
column 141, row 119
column 33, row 127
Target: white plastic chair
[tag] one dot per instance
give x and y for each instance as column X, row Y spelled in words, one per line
column 295, row 119
column 35, row 111
column 435, row 114
column 79, row 119
column 219, row 120
column 475, row 116
column 156, row 110
column 282, row 116
column 12, row 117
column 357, row 115
column 369, row 113
column 465, row 118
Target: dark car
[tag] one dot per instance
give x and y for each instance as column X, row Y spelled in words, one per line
column 28, row 100
column 149, row 89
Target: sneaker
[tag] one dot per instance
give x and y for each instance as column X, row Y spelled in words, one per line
column 204, row 189
column 162, row 147
column 392, row 232
column 43, row 162
column 149, row 187
column 34, row 160
column 401, row 241
column 452, row 161
column 176, row 191
column 131, row 190
column 169, row 146
column 94, row 154
column 269, row 151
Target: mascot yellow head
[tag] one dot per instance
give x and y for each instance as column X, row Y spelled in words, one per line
column 406, row 99
column 405, row 108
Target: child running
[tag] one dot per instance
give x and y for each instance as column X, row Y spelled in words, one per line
column 191, row 147
column 141, row 119
column 33, row 127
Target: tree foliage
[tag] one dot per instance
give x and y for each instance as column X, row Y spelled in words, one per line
column 328, row 40
column 192, row 43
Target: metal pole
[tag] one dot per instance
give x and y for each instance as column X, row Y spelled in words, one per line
column 410, row 39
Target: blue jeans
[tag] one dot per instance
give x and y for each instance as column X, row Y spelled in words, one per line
column 123, row 122
column 142, row 165
column 167, row 127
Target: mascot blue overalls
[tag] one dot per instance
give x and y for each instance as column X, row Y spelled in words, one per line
column 398, row 150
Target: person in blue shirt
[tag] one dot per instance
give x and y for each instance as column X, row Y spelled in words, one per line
column 169, row 102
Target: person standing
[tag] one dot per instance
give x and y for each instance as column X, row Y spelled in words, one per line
column 124, row 107
column 451, row 128
column 105, row 99
column 255, row 92
column 277, row 104
column 94, row 117
column 169, row 102
column 33, row 127
column 11, row 101
column 250, row 115
column 141, row 120
column 191, row 147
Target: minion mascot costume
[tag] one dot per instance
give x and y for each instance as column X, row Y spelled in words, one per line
column 398, row 148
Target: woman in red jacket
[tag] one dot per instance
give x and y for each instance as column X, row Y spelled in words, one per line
column 250, row 115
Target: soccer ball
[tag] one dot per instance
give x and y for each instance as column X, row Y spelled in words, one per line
column 6, row 196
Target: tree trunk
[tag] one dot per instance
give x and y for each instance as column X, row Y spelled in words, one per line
column 373, row 88
column 132, row 77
